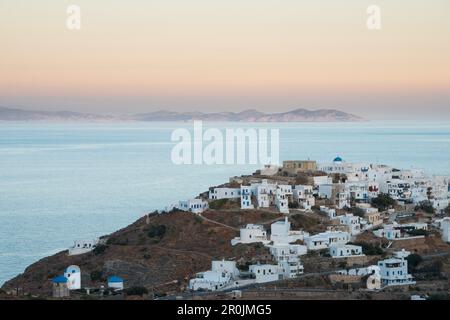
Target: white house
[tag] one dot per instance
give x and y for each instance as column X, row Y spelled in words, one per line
column 337, row 166
column 373, row 189
column 343, row 251
column 343, row 199
column 264, row 193
column 283, row 251
column 445, row 228
column 325, row 191
column 331, row 213
column 389, row 232
column 352, row 222
column 246, row 198
column 115, row 283
column 209, row 280
column 73, row 275
column 228, row 267
column 193, row 205
column 291, row 267
column 266, row 272
column 373, row 282
column 219, row 277
column 326, row 239
column 303, row 195
column 358, row 191
column 321, row 180
column 281, row 232
column 397, row 189
column 224, row 193
column 394, row 271
column 82, row 246
column 252, row 233
column 282, row 198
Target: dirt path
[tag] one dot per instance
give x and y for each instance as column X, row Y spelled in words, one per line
column 216, row 222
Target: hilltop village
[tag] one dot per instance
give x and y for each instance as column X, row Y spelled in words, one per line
column 368, row 228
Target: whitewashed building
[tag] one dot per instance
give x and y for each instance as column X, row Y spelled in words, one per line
column 73, row 275
column 224, row 193
column 344, row 251
column 394, row 271
column 193, row 205
column 397, row 189
column 389, row 232
column 252, row 233
column 82, row 246
column 445, row 229
column 266, row 272
column 304, row 196
column 281, row 232
column 373, row 189
column 321, row 180
column 291, row 267
column 359, row 191
column 343, row 199
column 115, row 283
column 283, row 251
column 326, row 239
column 282, row 198
column 331, row 213
column 325, row 191
column 246, row 198
column 265, row 193
column 353, row 223
column 220, row 276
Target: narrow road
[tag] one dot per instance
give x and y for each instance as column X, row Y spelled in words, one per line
column 218, row 223
column 435, row 255
column 237, row 229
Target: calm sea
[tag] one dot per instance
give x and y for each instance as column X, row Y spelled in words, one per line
column 61, row 182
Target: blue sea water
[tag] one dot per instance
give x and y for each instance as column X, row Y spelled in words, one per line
column 62, row 182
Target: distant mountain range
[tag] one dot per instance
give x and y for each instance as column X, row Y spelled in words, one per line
column 297, row 115
column 8, row 114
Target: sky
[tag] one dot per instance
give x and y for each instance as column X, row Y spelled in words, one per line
column 215, row 55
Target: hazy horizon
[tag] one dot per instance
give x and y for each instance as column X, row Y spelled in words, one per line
column 142, row 56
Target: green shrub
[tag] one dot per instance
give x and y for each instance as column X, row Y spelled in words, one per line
column 413, row 261
column 97, row 275
column 293, row 205
column 136, row 291
column 357, row 212
column 99, row 249
column 157, row 231
column 383, row 202
column 426, row 206
column 117, row 241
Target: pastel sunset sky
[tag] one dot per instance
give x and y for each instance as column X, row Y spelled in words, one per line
column 215, row 55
